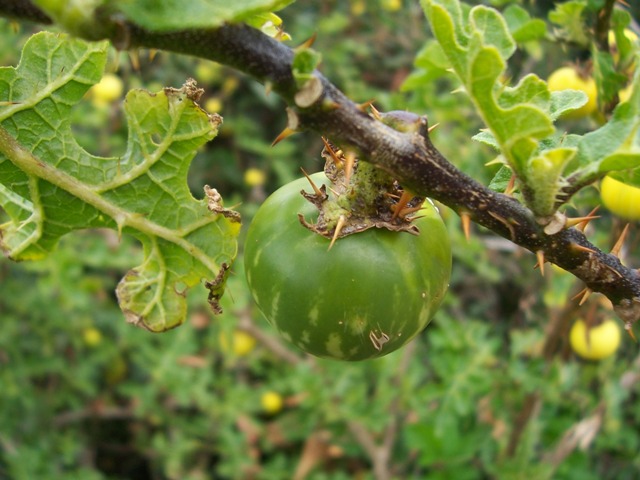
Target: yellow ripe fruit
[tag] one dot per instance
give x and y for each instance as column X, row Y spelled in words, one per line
column 230, row 85
column 108, row 89
column 621, row 199
column 597, row 343
column 358, row 7
column 391, row 5
column 242, row 343
column 567, row 78
column 631, row 36
column 213, row 105
column 91, row 337
column 254, row 177
column 207, row 72
column 271, row 402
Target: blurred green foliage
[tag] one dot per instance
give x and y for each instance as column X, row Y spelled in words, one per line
column 490, row 390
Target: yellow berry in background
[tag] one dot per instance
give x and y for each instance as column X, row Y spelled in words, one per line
column 91, row 337
column 596, row 343
column 213, row 105
column 620, row 199
column 107, row 90
column 241, row 343
column 358, row 7
column 271, row 402
column 625, row 94
column 391, row 5
column 631, row 36
column 207, row 72
column 254, row 177
column 568, row 78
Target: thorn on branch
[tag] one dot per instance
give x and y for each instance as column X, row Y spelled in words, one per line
column 585, row 220
column 286, row 133
column 540, row 263
column 585, row 293
column 618, row 245
column 581, row 248
column 307, row 43
column 465, row 218
column 506, row 223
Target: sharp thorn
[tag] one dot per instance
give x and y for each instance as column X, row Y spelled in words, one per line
column 307, row 43
column 580, row 222
column 614, row 271
column 366, row 105
column 465, row 218
column 506, row 223
column 332, row 153
column 540, row 257
column 511, row 186
column 134, row 58
column 585, row 293
column 402, row 202
column 408, row 211
column 618, row 246
column 349, row 162
column 582, row 248
column 375, row 112
column 341, row 221
column 433, row 127
column 591, row 215
column 152, row 54
column 286, row 133
column 581, row 292
column 316, row 190
column 586, row 296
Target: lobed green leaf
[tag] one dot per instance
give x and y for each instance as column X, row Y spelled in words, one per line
column 50, row 186
column 522, row 27
column 568, row 17
column 518, row 117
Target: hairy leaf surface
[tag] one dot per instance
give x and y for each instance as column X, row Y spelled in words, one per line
column 50, row 186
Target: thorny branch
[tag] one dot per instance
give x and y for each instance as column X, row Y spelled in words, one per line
column 410, row 157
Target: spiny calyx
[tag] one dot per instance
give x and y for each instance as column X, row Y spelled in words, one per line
column 361, row 196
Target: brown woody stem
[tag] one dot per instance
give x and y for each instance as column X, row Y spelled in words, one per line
column 411, row 158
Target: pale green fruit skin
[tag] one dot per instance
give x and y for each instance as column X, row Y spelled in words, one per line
column 336, row 303
column 596, row 343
